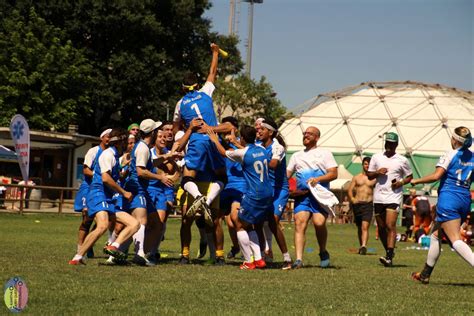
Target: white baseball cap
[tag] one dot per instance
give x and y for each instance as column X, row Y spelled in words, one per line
column 148, row 125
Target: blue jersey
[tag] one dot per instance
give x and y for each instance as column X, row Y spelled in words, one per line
column 459, row 166
column 235, row 174
column 197, row 104
column 97, row 183
column 277, row 176
column 155, row 185
column 89, row 161
column 254, row 163
column 135, row 184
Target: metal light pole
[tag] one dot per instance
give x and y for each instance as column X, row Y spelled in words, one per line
column 248, row 65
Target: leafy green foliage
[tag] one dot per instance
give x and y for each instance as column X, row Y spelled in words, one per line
column 42, row 75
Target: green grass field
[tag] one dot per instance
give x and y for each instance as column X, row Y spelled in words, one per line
column 39, row 251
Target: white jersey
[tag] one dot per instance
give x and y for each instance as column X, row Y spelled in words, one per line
column 107, row 160
column 397, row 169
column 90, row 157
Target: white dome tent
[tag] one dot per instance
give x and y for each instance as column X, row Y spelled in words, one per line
column 353, row 121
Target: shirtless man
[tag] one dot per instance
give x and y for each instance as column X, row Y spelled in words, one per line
column 362, row 203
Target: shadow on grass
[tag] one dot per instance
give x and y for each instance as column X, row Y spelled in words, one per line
column 460, row 284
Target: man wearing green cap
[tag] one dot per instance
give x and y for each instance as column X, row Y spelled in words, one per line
column 392, row 171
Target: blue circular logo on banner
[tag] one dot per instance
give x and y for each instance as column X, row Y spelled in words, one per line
column 15, row 294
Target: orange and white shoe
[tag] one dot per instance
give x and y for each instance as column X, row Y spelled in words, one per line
column 247, row 266
column 260, row 264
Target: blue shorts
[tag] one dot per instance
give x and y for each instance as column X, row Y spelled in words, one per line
column 280, row 199
column 141, row 200
column 97, row 202
column 309, row 204
column 80, row 201
column 169, row 192
column 202, row 155
column 255, row 211
column 451, row 206
column 158, row 200
column 229, row 196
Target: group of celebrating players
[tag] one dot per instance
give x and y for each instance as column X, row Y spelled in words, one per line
column 240, row 175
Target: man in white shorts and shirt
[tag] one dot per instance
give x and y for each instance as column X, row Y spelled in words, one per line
column 392, row 171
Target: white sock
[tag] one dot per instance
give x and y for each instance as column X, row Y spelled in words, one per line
column 255, row 245
column 211, row 245
column 244, row 243
column 192, row 189
column 268, row 236
column 112, row 237
column 464, row 251
column 214, row 189
column 115, row 244
column 77, row 257
column 286, row 257
column 434, row 251
column 138, row 239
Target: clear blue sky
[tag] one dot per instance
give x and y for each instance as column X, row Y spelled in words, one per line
column 307, row 47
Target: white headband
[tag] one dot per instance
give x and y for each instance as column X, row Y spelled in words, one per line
column 107, row 131
column 268, row 126
column 459, row 138
column 259, row 120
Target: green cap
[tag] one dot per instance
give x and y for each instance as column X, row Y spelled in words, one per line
column 391, row 137
column 132, row 126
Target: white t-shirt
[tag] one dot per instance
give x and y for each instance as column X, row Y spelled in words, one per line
column 310, row 163
column 90, row 156
column 107, row 160
column 208, row 88
column 142, row 154
column 397, row 168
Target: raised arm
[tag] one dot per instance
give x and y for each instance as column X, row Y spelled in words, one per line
column 215, row 58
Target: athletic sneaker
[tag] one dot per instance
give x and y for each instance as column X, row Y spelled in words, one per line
column 260, row 264
column 386, row 261
column 184, row 260
column 298, row 264
column 247, row 266
column 417, row 276
column 363, row 250
column 114, row 252
column 90, row 253
column 268, row 256
column 202, row 249
column 286, row 265
column 77, row 262
column 233, row 252
column 207, row 213
column 325, row 262
column 195, row 207
column 143, row 261
column 220, row 261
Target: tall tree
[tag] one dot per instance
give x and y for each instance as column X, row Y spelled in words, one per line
column 42, row 75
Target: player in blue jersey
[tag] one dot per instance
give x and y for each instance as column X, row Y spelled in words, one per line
column 256, row 203
column 312, row 165
column 275, row 148
column 201, row 155
column 80, row 204
column 100, row 202
column 164, row 164
column 455, row 170
column 137, row 183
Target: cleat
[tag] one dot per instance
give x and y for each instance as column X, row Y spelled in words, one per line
column 184, row 260
column 114, row 252
column 90, row 253
column 233, row 252
column 325, row 262
column 363, row 250
column 143, row 261
column 260, row 264
column 298, row 264
column 386, row 261
column 268, row 256
column 195, row 207
column 220, row 261
column 202, row 249
column 207, row 214
column 286, row 265
column 77, row 262
column 417, row 276
column 247, row 266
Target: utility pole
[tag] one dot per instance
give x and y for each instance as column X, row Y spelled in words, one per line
column 248, row 64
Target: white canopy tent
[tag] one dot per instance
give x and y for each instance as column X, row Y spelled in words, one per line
column 353, row 121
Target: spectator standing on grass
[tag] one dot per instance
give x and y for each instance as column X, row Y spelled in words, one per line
column 455, row 169
column 362, row 204
column 392, row 171
column 312, row 165
column 408, row 214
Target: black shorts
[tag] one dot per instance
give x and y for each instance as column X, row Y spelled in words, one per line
column 363, row 212
column 380, row 209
